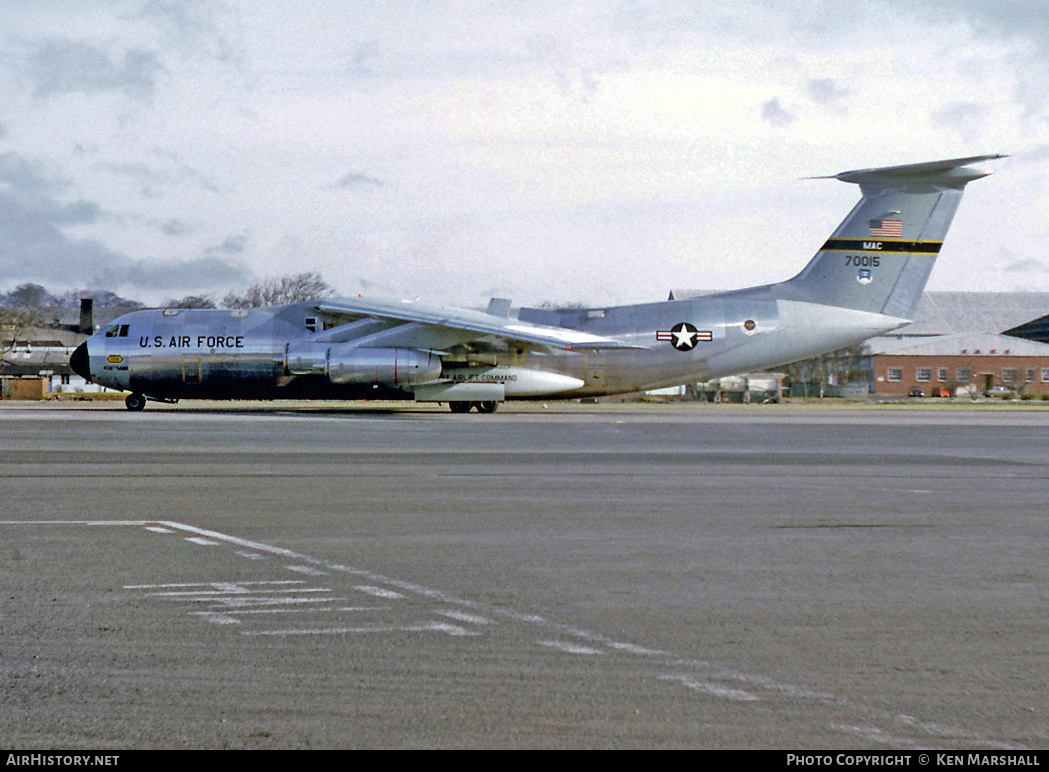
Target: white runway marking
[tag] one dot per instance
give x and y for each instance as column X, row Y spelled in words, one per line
column 241, row 601
column 431, row 627
column 202, row 540
column 365, row 608
column 639, row 650
column 569, row 648
column 227, row 617
column 158, row 529
column 220, row 594
column 308, row 570
column 216, row 618
column 224, row 596
column 462, row 616
column 225, row 586
column 378, row 592
column 714, row 690
column 81, row 522
column 230, row 598
column 255, row 611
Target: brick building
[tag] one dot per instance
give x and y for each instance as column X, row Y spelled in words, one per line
column 966, row 364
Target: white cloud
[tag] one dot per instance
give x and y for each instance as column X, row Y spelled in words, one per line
column 560, row 150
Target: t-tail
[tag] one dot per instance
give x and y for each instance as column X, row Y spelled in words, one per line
column 879, row 258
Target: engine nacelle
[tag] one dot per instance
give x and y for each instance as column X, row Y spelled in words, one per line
column 399, row 367
column 388, row 366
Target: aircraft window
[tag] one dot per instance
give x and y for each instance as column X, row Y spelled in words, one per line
column 123, row 331
column 311, row 323
column 171, row 311
column 113, row 331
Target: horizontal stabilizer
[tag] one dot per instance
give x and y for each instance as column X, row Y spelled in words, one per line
column 951, row 171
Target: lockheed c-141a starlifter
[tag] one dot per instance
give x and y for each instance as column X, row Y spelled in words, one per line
column 864, row 281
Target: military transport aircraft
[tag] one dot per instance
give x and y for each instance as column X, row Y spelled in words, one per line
column 864, row 281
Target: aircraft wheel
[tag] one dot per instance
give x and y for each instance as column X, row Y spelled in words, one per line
column 135, row 402
column 487, row 407
column 460, row 407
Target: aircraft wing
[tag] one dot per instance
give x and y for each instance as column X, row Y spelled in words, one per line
column 464, row 324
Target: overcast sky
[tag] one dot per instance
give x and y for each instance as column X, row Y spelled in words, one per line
column 600, row 152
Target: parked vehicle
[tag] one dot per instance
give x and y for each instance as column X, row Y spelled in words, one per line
column 1003, row 392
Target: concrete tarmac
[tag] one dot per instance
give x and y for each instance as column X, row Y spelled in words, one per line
column 309, row 576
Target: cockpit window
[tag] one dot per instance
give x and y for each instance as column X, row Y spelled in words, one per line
column 117, row 331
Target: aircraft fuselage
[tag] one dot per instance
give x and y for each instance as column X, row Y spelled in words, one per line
column 270, row 353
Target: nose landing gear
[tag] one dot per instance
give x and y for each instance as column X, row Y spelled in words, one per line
column 135, row 402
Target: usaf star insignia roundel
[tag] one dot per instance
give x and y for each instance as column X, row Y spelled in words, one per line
column 684, row 336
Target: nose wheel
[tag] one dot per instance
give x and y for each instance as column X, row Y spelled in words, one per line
column 135, row 402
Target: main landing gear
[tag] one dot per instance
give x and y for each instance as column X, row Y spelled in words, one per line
column 487, row 406
column 135, row 402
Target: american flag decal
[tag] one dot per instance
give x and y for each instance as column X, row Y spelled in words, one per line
column 887, row 228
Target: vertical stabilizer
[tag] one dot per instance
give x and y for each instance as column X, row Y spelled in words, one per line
column 881, row 255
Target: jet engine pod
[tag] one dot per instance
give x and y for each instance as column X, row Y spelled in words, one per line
column 388, row 366
column 306, row 358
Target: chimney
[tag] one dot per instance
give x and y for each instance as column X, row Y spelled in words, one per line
column 87, row 316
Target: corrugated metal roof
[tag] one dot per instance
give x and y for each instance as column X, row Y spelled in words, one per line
column 946, row 313
column 986, row 344
column 46, row 334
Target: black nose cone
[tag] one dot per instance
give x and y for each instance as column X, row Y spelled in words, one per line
column 80, row 363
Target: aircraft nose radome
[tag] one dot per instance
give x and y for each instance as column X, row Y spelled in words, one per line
column 80, row 363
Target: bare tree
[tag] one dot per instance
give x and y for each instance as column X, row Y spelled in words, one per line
column 102, row 299
column 27, row 296
column 279, row 290
column 192, row 301
column 846, row 365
